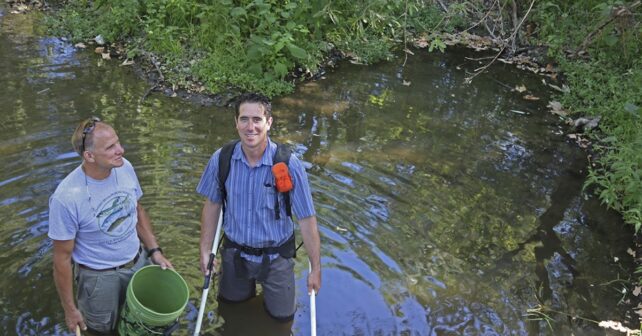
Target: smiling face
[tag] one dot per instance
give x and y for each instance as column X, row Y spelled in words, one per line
column 105, row 152
column 253, row 125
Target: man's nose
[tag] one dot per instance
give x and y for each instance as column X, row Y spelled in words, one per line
column 120, row 149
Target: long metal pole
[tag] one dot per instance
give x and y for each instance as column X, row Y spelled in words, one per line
column 313, row 308
column 208, row 277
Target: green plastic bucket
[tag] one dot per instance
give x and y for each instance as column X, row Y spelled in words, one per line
column 154, row 301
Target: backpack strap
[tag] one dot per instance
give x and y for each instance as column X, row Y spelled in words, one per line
column 224, row 160
column 282, row 154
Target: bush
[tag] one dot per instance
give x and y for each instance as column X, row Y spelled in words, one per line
column 598, row 44
column 246, row 44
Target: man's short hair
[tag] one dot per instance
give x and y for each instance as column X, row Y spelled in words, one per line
column 257, row 98
column 85, row 129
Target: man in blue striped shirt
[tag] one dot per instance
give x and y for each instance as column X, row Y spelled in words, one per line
column 258, row 244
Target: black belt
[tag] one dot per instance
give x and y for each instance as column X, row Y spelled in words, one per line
column 286, row 250
column 128, row 264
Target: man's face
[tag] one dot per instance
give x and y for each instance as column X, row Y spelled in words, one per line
column 106, row 151
column 252, row 125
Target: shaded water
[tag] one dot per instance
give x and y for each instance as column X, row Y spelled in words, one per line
column 441, row 211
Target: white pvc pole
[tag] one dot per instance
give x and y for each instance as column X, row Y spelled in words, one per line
column 206, row 284
column 313, row 308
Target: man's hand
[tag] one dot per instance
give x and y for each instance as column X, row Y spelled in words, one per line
column 310, row 235
column 74, row 318
column 159, row 259
column 205, row 258
column 210, row 220
column 314, row 281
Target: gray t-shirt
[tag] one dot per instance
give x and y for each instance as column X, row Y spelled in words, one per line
column 100, row 215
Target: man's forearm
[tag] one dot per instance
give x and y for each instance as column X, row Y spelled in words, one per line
column 63, row 277
column 209, row 223
column 310, row 235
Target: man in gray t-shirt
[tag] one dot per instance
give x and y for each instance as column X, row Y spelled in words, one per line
column 96, row 221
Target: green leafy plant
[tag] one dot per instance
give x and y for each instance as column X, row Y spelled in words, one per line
column 247, row 44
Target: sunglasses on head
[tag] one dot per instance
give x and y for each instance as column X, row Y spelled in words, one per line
column 89, row 127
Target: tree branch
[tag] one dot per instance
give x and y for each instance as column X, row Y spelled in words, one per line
column 482, row 69
column 483, row 18
column 622, row 11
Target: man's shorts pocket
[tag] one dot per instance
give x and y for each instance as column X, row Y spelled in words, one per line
column 101, row 322
column 89, row 282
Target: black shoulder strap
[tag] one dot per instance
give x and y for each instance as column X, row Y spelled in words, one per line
column 224, row 168
column 282, row 154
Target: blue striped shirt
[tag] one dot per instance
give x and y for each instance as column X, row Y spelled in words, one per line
column 250, row 217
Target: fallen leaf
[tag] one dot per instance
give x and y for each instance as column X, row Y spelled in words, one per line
column 637, row 290
column 21, row 8
column 520, row 88
column 106, row 56
column 549, row 67
column 99, row 39
column 583, row 143
column 406, row 83
column 616, row 259
column 531, row 97
column 80, row 45
column 421, row 44
column 630, row 252
column 615, row 326
column 128, row 62
column 556, row 108
column 99, row 50
column 554, row 105
column 564, row 87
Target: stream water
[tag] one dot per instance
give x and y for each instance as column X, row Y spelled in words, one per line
column 445, row 208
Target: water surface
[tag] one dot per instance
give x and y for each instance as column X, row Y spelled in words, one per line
column 444, row 208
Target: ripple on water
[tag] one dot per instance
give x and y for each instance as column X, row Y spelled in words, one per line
column 56, row 61
column 353, row 166
column 514, row 152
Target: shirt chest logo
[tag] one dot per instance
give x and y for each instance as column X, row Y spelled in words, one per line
column 116, row 214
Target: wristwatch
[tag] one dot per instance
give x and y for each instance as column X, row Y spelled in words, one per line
column 151, row 252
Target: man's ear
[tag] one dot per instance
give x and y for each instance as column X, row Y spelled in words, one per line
column 88, row 156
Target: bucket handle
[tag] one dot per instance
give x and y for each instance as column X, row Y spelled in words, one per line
column 166, row 332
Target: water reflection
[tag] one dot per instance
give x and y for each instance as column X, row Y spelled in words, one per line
column 441, row 211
